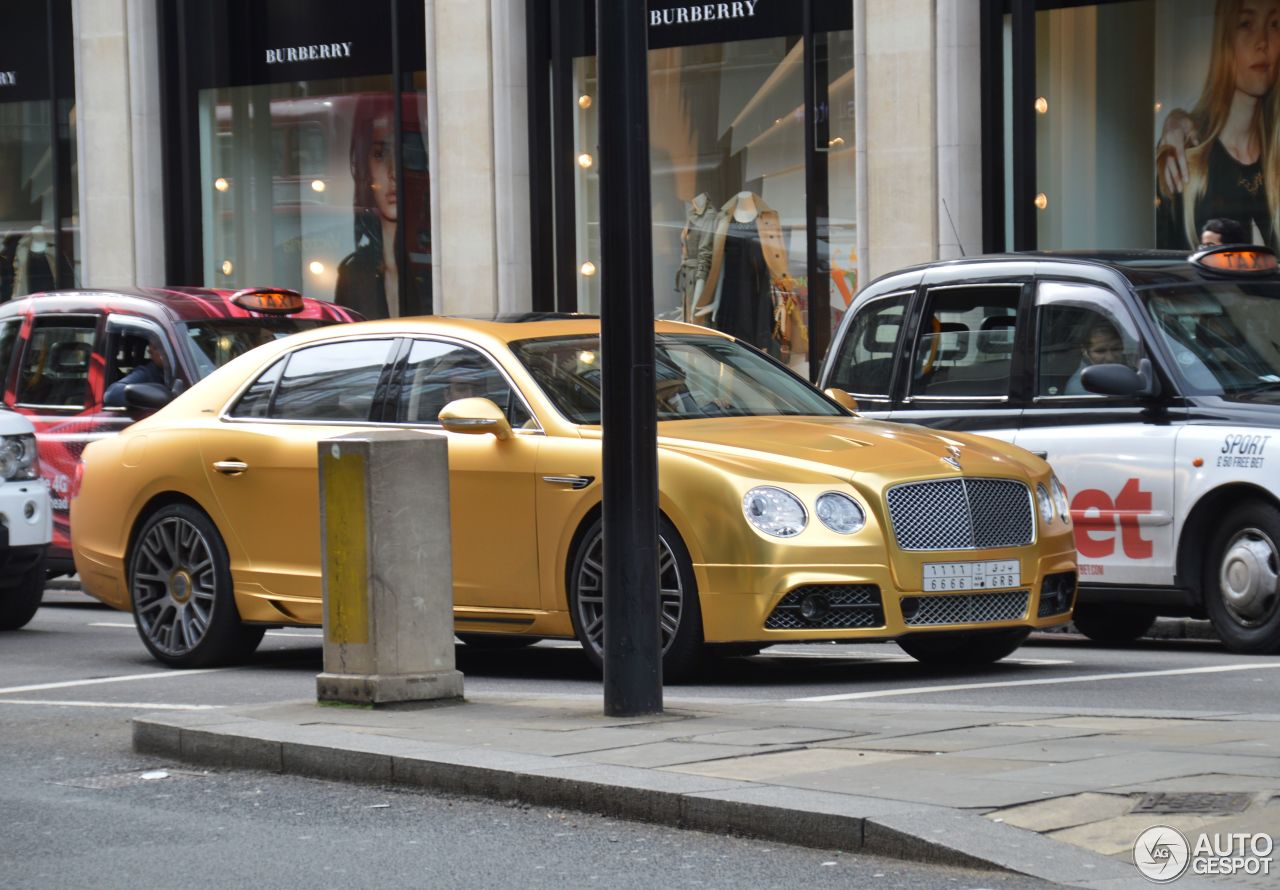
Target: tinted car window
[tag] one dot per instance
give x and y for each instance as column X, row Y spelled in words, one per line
column 335, row 381
column 965, row 345
column 864, row 364
column 216, row 341
column 1079, row 325
column 438, row 373
column 8, row 337
column 55, row 367
column 256, row 401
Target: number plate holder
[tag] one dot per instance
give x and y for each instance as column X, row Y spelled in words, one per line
column 994, row 574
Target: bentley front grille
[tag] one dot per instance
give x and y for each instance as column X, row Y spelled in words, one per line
column 965, row 608
column 961, row 514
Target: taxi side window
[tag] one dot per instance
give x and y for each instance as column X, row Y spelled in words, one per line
column 864, row 364
column 439, row 373
column 1079, row 325
column 335, row 381
column 8, row 339
column 964, row 347
column 55, row 367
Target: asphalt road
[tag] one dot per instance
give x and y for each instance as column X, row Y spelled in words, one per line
column 81, row 809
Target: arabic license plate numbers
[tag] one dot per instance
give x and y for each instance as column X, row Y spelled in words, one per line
column 989, row 575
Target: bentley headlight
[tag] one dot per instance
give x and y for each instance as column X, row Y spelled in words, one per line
column 18, row 457
column 1060, row 499
column 840, row 513
column 774, row 511
column 1045, row 502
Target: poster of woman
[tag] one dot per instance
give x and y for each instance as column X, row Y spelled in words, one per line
column 1217, row 150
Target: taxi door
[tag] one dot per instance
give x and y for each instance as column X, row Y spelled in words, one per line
column 1114, row 456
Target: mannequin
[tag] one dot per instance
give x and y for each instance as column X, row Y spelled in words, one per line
column 747, row 255
column 695, row 251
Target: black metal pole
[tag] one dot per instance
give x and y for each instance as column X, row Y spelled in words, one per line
column 1024, row 125
column 407, row 296
column 817, row 129
column 992, row 90
column 632, row 651
column 55, row 149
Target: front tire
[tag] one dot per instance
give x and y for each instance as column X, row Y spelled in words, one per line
column 1112, row 624
column 963, row 647
column 19, row 602
column 679, row 612
column 180, row 587
column 1242, row 580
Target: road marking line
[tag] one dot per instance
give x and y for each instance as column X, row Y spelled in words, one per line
column 150, row 706
column 154, row 675
column 1090, row 678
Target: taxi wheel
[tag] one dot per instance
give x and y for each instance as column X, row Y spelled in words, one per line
column 1112, row 624
column 963, row 647
column 180, row 585
column 680, row 616
column 1242, row 580
column 19, row 602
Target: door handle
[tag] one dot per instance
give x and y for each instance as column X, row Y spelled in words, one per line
column 230, row 467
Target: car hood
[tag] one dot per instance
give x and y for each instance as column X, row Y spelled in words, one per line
column 845, row 447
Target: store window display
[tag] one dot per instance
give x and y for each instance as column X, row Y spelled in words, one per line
column 696, row 240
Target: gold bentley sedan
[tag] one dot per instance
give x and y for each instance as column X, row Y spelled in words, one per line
column 784, row 517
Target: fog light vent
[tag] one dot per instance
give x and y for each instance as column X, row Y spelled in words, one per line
column 828, row 606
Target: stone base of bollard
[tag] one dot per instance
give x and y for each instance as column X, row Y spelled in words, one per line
column 380, row 689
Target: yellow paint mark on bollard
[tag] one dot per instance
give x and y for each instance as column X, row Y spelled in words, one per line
column 346, row 563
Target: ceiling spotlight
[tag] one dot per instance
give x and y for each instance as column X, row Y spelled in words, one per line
column 587, row 269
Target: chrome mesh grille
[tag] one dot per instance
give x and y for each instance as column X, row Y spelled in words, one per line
column 967, row 608
column 961, row 514
column 849, row 606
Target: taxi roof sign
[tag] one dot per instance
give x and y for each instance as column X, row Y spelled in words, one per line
column 268, row 299
column 1237, row 259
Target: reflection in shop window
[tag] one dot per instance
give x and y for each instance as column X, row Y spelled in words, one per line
column 300, row 190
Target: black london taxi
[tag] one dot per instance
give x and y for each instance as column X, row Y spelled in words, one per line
column 60, row 352
column 1150, row 380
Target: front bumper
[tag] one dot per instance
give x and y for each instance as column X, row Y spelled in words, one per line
column 25, row 516
column 737, row 602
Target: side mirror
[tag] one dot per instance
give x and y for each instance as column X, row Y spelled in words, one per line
column 841, row 398
column 146, row 396
column 475, row 416
column 1121, row 380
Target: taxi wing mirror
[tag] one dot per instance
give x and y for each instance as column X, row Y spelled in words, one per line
column 841, row 398
column 1121, row 380
column 146, row 397
column 475, row 415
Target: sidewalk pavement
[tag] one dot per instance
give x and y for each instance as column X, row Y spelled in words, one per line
column 1055, row 794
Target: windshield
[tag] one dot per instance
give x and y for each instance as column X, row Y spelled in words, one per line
column 214, row 342
column 695, row 376
column 1224, row 338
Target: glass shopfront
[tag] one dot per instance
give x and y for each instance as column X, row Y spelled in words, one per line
column 1131, row 124
column 302, row 150
column 39, row 201
column 751, row 164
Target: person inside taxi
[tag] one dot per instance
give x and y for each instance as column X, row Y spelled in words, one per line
column 1102, row 346
column 151, row 371
column 1222, row 230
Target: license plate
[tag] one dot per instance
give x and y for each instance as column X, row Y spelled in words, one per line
column 943, row 576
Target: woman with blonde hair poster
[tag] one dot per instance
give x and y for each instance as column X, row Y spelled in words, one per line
column 1210, row 161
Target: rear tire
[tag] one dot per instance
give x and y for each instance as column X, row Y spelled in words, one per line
column 1112, row 624
column 180, row 588
column 963, row 647
column 679, row 612
column 1242, row 579
column 19, row 601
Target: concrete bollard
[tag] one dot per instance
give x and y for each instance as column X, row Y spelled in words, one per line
column 387, row 569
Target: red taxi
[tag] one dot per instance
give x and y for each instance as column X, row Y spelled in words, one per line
column 61, row 351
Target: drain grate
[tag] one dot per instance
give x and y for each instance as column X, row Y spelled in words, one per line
column 1193, row 802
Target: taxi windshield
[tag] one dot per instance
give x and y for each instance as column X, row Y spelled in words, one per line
column 214, row 342
column 1224, row 338
column 694, row 377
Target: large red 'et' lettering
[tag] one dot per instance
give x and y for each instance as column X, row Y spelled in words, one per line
column 1097, row 516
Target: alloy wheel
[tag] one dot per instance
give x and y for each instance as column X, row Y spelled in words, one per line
column 174, row 586
column 590, row 594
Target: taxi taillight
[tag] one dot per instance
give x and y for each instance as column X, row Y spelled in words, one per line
column 1237, row 260
column 268, row 299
